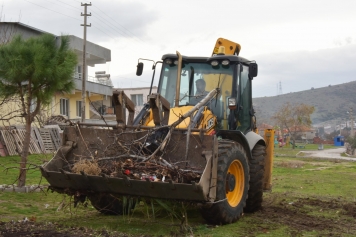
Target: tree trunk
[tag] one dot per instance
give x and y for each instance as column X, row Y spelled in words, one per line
column 293, row 142
column 24, row 154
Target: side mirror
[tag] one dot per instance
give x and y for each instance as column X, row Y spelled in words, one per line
column 253, row 70
column 139, row 69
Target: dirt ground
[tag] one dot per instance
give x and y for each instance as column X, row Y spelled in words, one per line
column 28, row 228
column 331, row 218
column 306, row 214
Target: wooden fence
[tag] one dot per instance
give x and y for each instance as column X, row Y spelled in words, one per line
column 43, row 140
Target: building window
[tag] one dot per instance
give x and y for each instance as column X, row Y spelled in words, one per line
column 64, row 106
column 137, row 99
column 79, row 108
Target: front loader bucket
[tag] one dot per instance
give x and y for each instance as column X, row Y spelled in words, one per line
column 120, row 155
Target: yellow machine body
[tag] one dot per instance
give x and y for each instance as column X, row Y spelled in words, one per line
column 269, row 139
column 208, row 120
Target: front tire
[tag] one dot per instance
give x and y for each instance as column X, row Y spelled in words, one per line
column 232, row 185
column 257, row 167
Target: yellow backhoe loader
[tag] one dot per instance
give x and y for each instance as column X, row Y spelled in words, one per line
column 194, row 140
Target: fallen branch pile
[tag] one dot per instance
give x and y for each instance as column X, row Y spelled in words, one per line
column 137, row 170
column 142, row 159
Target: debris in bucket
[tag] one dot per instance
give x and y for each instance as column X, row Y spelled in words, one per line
column 141, row 154
column 137, row 170
column 88, row 167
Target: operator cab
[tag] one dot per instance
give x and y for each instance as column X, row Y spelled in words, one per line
column 200, row 75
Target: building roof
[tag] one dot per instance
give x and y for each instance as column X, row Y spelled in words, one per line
column 264, row 126
column 26, row 26
column 96, row 54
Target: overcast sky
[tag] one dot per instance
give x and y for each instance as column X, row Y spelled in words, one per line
column 297, row 44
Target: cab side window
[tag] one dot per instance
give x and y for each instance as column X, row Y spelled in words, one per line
column 244, row 122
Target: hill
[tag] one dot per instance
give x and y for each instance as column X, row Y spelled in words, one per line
column 331, row 103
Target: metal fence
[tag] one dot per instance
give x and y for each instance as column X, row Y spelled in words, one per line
column 100, row 80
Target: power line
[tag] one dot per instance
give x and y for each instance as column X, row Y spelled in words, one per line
column 103, row 20
column 108, row 25
column 137, row 38
column 121, row 32
column 120, row 25
column 68, row 15
column 69, row 5
column 52, row 10
column 111, row 29
column 56, row 2
column 80, row 9
column 103, row 32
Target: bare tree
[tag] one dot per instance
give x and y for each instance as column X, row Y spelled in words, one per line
column 7, row 31
column 9, row 109
column 294, row 118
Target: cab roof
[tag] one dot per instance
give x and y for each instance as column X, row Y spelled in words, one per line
column 196, row 59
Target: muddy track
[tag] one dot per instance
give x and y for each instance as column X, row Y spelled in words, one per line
column 28, row 228
column 332, row 217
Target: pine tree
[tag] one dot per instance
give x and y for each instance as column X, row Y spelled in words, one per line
column 34, row 70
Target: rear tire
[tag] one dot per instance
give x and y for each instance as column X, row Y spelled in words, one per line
column 111, row 205
column 257, row 167
column 232, row 185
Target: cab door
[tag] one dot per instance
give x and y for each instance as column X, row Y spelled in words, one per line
column 245, row 101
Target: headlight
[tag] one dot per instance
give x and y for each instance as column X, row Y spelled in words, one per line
column 214, row 63
column 225, row 62
column 232, row 103
column 176, row 62
column 168, row 61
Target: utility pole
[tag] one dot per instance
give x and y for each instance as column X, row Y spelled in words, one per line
column 84, row 74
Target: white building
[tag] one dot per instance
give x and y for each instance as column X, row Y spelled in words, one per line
column 138, row 95
column 98, row 88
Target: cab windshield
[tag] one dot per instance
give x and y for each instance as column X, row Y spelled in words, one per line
column 197, row 80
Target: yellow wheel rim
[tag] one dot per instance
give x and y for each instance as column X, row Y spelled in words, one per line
column 236, row 173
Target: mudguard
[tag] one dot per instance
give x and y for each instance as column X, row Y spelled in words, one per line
column 254, row 138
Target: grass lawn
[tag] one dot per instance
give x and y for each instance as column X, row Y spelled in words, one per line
column 9, row 169
column 290, row 152
column 309, row 198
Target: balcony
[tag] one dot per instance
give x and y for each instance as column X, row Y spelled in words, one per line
column 102, row 86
